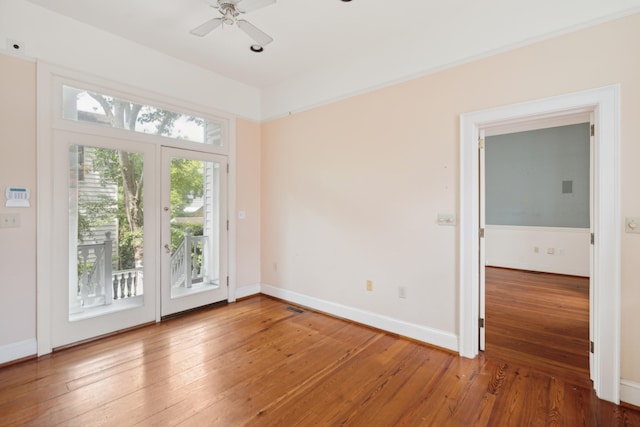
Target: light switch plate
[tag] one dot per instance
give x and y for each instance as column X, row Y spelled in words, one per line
column 632, row 224
column 446, row 219
column 11, row 220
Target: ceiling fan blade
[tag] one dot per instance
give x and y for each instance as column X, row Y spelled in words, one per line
column 254, row 32
column 212, row 3
column 207, row 27
column 245, row 6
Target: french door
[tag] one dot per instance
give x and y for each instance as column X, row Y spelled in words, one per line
column 194, row 230
column 132, row 208
column 117, row 263
column 104, row 273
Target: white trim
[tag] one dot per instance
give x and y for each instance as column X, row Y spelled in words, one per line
column 406, row 329
column 231, row 209
column 247, row 291
column 44, row 168
column 630, row 392
column 529, row 125
column 605, row 102
column 18, row 350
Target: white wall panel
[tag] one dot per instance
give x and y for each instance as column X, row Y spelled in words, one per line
column 559, row 250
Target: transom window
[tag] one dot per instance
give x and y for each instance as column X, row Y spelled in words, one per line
column 105, row 110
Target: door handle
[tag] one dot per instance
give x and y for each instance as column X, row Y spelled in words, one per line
column 167, row 248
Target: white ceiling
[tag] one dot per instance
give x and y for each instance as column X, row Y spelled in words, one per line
column 312, row 35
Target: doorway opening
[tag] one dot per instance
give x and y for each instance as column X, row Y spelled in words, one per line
column 536, row 216
column 604, row 104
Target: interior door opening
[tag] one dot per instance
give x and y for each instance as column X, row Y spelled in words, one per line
column 536, row 206
column 604, row 103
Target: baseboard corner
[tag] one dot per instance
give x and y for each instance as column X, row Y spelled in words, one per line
column 247, row 291
column 18, row 350
column 630, row 392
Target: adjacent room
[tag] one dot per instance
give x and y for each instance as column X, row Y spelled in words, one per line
column 537, row 221
column 315, row 213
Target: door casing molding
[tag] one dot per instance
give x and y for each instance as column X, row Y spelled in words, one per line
column 605, row 104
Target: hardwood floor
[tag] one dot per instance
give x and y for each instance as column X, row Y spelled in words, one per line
column 540, row 320
column 256, row 362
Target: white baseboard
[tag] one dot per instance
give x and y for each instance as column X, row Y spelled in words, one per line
column 245, row 291
column 18, row 350
column 630, row 392
column 410, row 330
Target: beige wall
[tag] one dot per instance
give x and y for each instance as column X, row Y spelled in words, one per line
column 248, row 200
column 351, row 190
column 18, row 168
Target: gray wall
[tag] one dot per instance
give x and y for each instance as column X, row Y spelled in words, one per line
column 524, row 177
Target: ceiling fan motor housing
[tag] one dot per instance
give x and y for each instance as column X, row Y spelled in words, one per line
column 228, row 11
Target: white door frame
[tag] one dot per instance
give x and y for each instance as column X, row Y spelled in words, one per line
column 605, row 104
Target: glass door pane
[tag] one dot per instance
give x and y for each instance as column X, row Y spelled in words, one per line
column 101, row 189
column 194, row 230
column 106, row 223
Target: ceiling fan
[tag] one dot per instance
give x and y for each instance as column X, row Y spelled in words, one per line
column 230, row 10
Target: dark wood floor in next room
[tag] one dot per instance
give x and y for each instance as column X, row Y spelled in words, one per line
column 539, row 320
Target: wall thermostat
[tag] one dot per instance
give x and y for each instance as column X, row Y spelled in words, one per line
column 17, row 197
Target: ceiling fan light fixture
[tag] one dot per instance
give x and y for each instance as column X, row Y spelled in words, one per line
column 228, row 18
column 256, row 48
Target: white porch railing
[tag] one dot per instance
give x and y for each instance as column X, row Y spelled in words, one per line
column 127, row 283
column 187, row 263
column 98, row 284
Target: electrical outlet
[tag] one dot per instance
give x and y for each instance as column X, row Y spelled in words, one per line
column 536, row 249
column 551, row 251
column 402, row 292
column 9, row 220
column 369, row 285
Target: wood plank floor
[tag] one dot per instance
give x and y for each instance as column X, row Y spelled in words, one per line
column 256, row 362
column 540, row 320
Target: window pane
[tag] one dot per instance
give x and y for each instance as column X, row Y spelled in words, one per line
column 91, row 107
column 105, row 231
column 195, row 225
